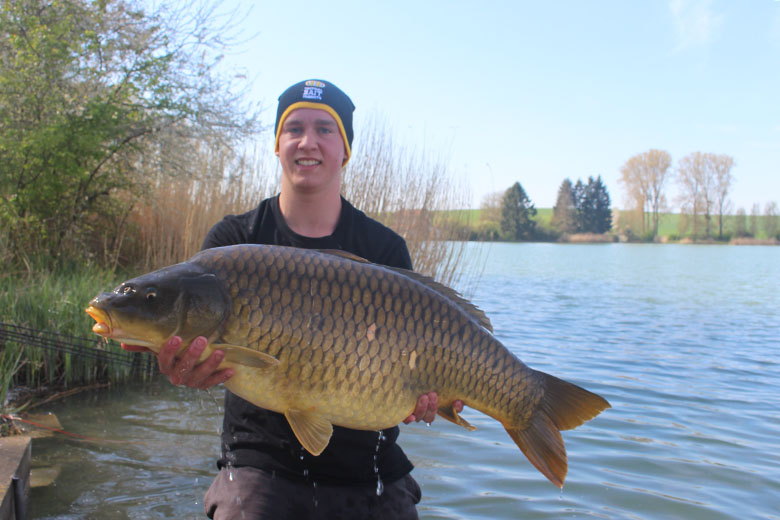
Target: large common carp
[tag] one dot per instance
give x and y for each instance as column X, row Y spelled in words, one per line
column 325, row 338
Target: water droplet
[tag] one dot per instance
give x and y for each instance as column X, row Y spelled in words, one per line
column 380, row 488
column 428, row 424
column 230, row 475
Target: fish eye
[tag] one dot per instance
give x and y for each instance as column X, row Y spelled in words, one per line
column 150, row 294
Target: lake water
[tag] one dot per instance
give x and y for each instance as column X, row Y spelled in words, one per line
column 682, row 340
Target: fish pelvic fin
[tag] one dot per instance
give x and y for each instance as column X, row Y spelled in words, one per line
column 564, row 406
column 311, row 429
column 246, row 356
column 448, row 412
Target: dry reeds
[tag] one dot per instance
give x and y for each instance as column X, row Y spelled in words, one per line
column 174, row 220
column 409, row 191
column 406, row 191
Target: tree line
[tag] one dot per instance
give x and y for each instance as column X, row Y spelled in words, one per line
column 704, row 182
column 581, row 207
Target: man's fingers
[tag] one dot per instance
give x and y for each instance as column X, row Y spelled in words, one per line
column 201, row 375
column 429, row 413
column 216, row 379
column 167, row 356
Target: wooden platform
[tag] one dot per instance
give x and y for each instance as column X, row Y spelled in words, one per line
column 14, row 475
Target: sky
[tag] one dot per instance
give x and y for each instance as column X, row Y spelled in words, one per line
column 537, row 91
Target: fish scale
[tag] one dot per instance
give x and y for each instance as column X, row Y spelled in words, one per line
column 328, row 338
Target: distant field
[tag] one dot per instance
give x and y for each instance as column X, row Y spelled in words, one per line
column 669, row 223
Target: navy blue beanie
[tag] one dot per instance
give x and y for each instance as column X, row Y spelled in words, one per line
column 321, row 95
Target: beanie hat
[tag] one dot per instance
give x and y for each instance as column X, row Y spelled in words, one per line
column 320, row 95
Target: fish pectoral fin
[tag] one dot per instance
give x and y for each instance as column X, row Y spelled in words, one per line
column 246, row 356
column 449, row 413
column 311, row 429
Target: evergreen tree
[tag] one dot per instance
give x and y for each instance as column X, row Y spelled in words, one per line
column 593, row 206
column 565, row 210
column 517, row 214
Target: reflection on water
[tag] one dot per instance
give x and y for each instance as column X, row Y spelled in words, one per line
column 682, row 340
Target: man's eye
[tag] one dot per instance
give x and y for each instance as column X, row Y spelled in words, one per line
column 325, row 130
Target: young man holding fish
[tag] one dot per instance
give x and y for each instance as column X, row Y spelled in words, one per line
column 264, row 471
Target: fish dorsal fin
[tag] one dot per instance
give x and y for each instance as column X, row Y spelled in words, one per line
column 311, row 429
column 246, row 356
column 344, row 254
column 451, row 294
column 471, row 309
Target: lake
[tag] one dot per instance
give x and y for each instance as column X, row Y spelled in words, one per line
column 683, row 340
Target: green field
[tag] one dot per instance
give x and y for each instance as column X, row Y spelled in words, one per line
column 669, row 223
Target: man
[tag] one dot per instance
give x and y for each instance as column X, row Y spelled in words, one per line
column 264, row 471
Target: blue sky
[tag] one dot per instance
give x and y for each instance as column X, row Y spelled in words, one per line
column 538, row 91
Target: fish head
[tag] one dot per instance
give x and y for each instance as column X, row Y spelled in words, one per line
column 184, row 300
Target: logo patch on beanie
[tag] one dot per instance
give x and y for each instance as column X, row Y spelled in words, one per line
column 313, row 89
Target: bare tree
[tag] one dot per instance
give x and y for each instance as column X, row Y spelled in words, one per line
column 740, row 223
column 755, row 213
column 771, row 221
column 721, row 170
column 643, row 177
column 691, row 171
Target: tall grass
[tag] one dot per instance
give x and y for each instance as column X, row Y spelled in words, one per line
column 53, row 301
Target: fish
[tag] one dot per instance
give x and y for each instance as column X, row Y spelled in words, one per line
column 328, row 338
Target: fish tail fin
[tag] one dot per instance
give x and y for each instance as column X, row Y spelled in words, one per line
column 564, row 406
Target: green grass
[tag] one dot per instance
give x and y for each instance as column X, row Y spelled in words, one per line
column 52, row 300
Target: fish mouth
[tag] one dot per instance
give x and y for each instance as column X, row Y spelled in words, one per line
column 103, row 325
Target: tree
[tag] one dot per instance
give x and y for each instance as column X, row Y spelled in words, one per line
column 690, row 175
column 755, row 213
column 705, row 180
column 564, row 217
column 771, row 221
column 517, row 214
column 740, row 223
column 722, row 165
column 87, row 90
column 644, row 177
column 593, row 206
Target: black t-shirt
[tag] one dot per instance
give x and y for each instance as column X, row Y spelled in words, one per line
column 263, row 439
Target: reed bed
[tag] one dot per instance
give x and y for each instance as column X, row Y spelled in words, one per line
column 54, row 301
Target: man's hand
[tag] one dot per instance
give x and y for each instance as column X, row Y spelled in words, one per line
column 427, row 406
column 185, row 370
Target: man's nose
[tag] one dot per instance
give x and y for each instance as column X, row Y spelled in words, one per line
column 307, row 139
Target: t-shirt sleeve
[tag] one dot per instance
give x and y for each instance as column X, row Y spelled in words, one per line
column 398, row 255
column 229, row 231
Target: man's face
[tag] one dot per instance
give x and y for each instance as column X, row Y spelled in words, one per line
column 311, row 150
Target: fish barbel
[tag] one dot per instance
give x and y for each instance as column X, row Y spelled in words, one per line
column 326, row 338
